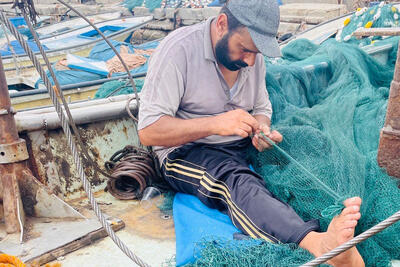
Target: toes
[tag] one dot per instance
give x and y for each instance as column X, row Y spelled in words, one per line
column 346, row 234
column 350, row 224
column 350, row 210
column 353, row 216
column 355, row 201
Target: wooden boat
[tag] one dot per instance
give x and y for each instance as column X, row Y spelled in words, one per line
column 63, row 26
column 78, row 42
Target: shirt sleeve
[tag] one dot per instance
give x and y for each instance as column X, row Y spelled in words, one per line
column 262, row 105
column 162, row 90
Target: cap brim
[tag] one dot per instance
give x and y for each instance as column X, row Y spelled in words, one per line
column 266, row 44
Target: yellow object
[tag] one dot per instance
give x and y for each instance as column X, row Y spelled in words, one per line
column 57, row 264
column 394, row 9
column 10, row 261
column 358, row 9
column 368, row 24
column 346, row 21
column 372, row 42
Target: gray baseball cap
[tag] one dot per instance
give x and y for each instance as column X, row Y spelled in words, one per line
column 261, row 17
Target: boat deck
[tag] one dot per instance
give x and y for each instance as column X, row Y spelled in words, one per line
column 149, row 233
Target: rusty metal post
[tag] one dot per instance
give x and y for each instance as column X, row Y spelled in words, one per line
column 12, row 152
column 389, row 144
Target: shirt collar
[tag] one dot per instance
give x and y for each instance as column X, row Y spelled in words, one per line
column 208, row 49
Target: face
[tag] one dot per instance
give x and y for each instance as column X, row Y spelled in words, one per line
column 236, row 50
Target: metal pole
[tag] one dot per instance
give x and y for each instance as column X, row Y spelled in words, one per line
column 8, row 129
column 12, row 150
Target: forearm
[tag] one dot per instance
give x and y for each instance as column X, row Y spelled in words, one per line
column 169, row 131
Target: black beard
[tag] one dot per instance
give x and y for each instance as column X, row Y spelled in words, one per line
column 222, row 54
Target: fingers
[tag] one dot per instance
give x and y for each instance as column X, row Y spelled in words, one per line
column 255, row 142
column 260, row 144
column 250, row 121
column 276, row 136
column 246, row 128
column 265, row 129
column 241, row 133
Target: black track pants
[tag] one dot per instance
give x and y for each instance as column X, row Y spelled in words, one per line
column 221, row 178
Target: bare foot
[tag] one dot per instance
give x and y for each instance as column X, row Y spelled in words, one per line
column 340, row 230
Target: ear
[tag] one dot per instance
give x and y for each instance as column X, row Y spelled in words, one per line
column 222, row 25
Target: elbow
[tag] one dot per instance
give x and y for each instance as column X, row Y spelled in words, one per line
column 144, row 139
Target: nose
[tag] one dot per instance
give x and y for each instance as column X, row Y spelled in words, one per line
column 250, row 58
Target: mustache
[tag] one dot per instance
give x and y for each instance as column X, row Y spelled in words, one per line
column 240, row 63
column 235, row 65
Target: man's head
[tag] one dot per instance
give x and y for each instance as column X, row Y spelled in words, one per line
column 244, row 33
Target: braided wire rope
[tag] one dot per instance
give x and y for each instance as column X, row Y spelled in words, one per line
column 54, row 92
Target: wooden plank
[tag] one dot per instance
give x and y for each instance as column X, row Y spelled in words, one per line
column 75, row 245
column 361, row 32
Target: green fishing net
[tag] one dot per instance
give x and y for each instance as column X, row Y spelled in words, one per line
column 378, row 16
column 329, row 103
column 131, row 4
column 118, row 87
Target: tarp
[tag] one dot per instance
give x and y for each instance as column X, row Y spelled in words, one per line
column 6, row 51
column 194, row 222
column 87, row 64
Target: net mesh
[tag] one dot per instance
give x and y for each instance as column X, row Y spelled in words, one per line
column 375, row 17
column 118, row 87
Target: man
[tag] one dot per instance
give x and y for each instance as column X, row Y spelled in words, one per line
column 204, row 102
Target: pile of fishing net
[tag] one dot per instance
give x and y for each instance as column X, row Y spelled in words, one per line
column 118, row 87
column 378, row 16
column 329, row 103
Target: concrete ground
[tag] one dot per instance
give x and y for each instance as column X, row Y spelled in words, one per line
column 148, row 233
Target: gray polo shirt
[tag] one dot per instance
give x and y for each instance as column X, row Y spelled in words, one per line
column 184, row 81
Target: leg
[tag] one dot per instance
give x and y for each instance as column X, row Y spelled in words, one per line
column 340, row 230
column 252, row 208
column 221, row 179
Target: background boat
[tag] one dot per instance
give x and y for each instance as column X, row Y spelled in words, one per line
column 78, row 42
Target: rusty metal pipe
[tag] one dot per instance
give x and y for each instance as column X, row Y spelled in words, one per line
column 27, row 121
column 9, row 168
column 8, row 129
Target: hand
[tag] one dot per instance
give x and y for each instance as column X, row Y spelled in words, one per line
column 260, row 143
column 235, row 122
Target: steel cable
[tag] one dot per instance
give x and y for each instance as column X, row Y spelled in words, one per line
column 133, row 170
column 54, row 92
